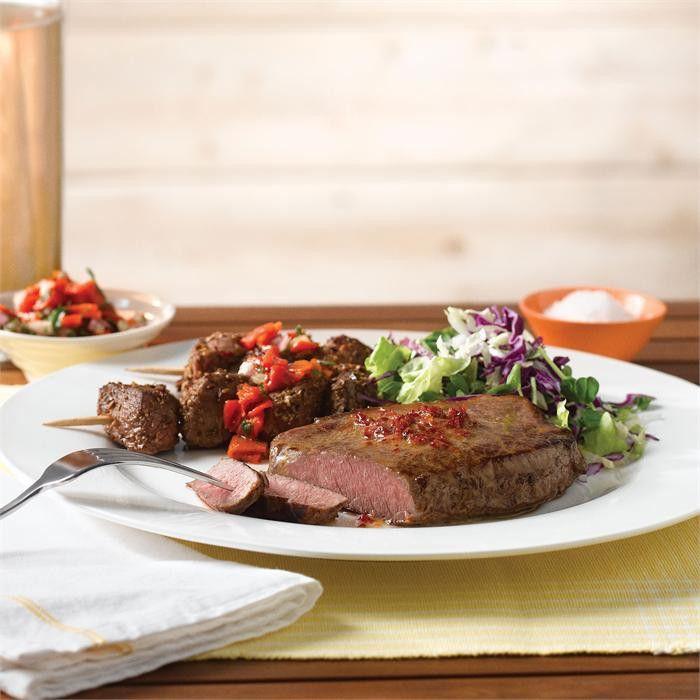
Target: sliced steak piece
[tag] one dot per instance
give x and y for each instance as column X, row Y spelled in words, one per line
column 441, row 462
column 344, row 350
column 298, row 405
column 202, row 401
column 352, row 388
column 145, row 417
column 296, row 502
column 247, row 484
column 220, row 350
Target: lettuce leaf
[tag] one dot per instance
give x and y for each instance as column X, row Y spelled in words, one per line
column 562, row 417
column 512, row 383
column 430, row 341
column 607, row 438
column 386, row 357
column 422, row 375
column 389, row 387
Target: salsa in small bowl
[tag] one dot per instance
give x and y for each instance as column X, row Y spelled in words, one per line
column 61, row 307
column 59, row 322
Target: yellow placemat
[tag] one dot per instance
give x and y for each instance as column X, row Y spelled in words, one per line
column 636, row 595
column 640, row 594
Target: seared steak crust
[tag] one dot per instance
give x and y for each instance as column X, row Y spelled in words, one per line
column 144, row 417
column 435, row 463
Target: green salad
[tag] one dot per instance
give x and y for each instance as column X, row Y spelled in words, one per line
column 491, row 352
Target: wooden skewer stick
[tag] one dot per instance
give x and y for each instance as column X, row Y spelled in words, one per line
column 172, row 371
column 85, row 420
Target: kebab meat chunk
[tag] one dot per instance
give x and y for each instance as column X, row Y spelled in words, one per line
column 202, row 401
column 296, row 405
column 220, row 350
column 344, row 350
column 144, row 417
column 351, row 388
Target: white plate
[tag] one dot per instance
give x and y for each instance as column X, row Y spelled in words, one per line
column 658, row 490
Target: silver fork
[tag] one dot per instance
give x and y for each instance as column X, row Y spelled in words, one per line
column 78, row 463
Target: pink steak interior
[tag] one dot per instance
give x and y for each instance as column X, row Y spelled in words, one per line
column 368, row 487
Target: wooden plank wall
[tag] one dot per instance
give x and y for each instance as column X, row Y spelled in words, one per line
column 345, row 151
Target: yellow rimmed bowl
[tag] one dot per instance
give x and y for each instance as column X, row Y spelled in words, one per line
column 38, row 355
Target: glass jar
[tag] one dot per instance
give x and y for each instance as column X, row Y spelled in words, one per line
column 30, row 140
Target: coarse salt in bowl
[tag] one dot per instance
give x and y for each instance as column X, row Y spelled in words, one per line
column 603, row 320
column 589, row 305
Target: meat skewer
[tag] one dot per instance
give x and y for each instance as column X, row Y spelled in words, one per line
column 148, row 418
column 165, row 371
column 141, row 417
column 222, row 350
column 76, row 422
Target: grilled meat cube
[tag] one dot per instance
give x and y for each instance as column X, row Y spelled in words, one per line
column 247, row 485
column 344, row 350
column 351, row 388
column 144, row 416
column 202, row 401
column 440, row 462
column 296, row 501
column 220, row 350
column 298, row 405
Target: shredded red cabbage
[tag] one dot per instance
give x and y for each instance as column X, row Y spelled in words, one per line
column 593, row 468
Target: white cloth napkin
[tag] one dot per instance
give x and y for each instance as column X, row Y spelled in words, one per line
column 84, row 602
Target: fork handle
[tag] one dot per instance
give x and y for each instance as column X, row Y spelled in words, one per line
column 36, row 488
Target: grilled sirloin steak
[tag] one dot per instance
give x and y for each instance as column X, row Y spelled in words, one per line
column 429, row 463
column 144, row 416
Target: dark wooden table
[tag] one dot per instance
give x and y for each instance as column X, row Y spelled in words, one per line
column 673, row 349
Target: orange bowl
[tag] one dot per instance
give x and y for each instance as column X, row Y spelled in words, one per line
column 620, row 339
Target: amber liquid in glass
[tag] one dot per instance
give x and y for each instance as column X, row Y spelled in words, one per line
column 30, row 142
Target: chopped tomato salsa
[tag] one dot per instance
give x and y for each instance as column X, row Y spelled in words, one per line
column 249, row 396
column 245, row 418
column 246, row 450
column 268, row 372
column 261, row 336
column 59, row 306
column 233, row 415
column 302, row 343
